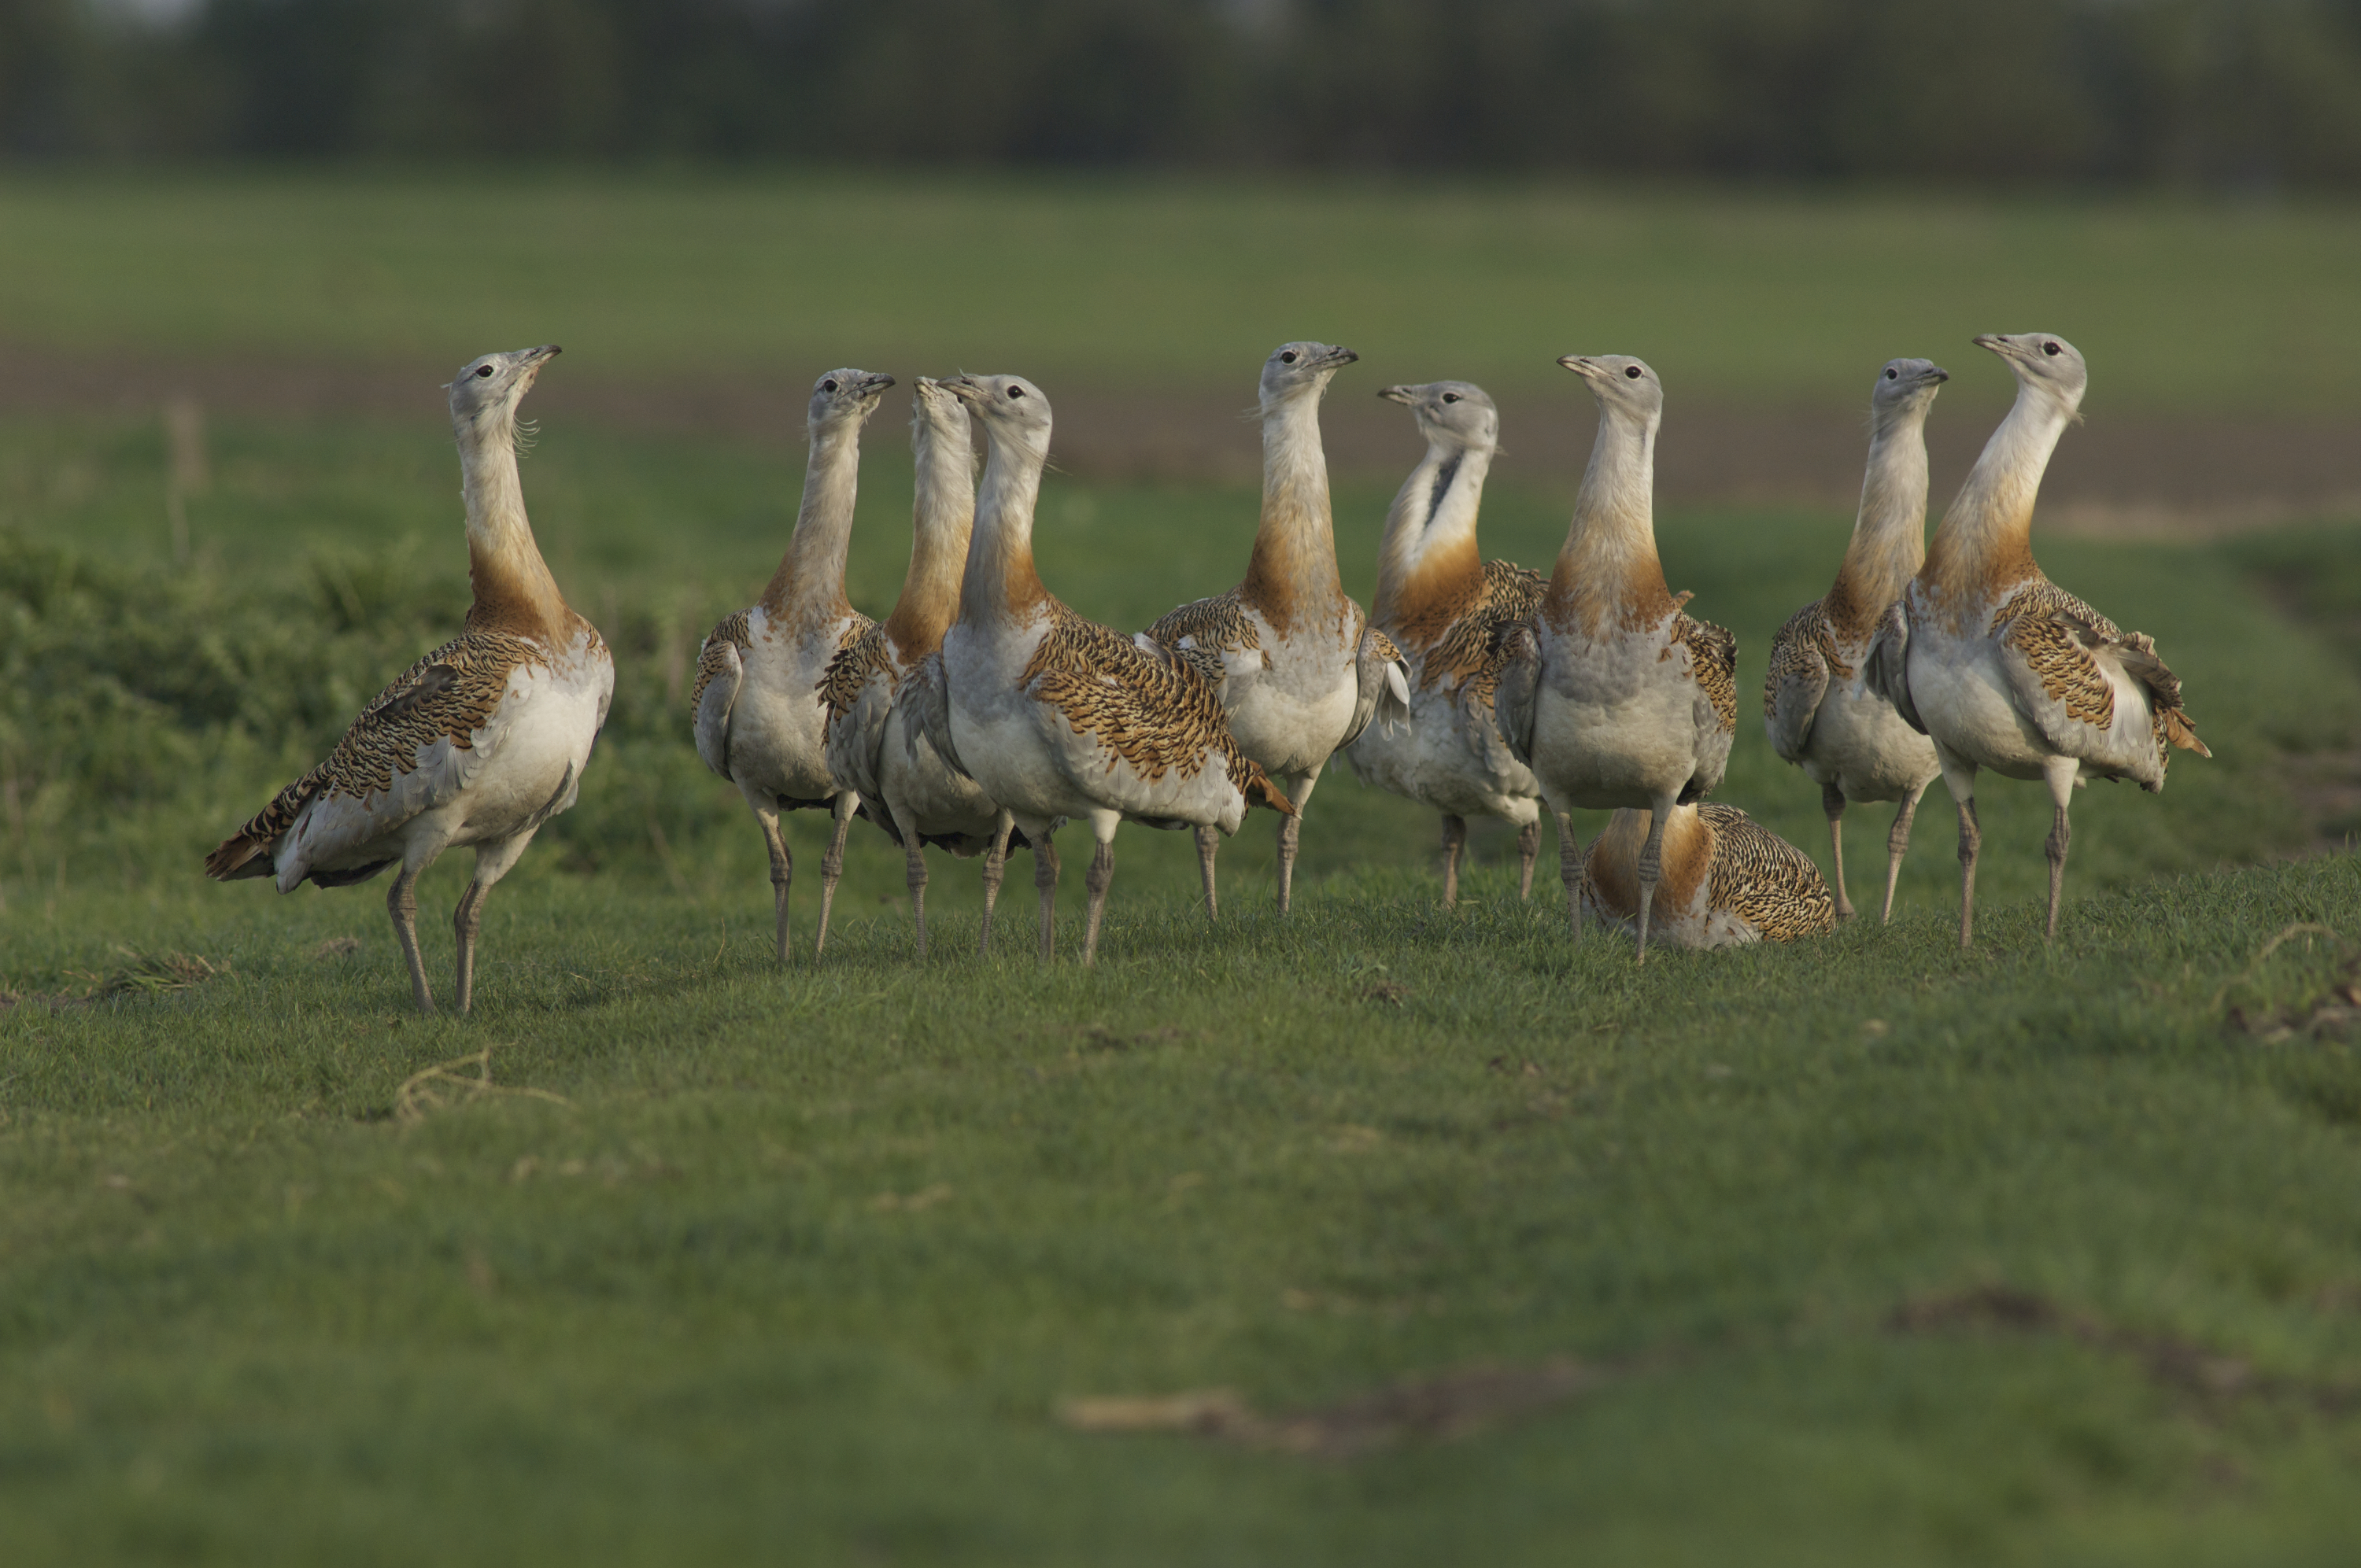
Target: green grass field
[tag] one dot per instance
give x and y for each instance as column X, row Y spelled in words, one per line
column 1777, row 298
column 1862, row 1250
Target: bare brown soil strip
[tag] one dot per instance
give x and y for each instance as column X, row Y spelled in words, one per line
column 1470, row 1399
column 2130, row 474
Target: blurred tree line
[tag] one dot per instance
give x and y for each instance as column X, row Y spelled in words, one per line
column 2204, row 92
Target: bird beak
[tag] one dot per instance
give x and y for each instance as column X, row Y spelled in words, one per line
column 874, row 383
column 963, row 388
column 1996, row 342
column 1937, row 374
column 1342, row 356
column 1398, row 394
column 543, row 355
column 1577, row 363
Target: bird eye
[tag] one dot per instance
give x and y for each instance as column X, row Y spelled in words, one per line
column 1632, row 371
column 1288, row 358
column 483, row 369
column 828, row 385
column 2048, row 349
column 1450, row 396
column 1016, row 391
column 1893, row 375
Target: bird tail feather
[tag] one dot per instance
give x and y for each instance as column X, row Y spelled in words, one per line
column 239, row 857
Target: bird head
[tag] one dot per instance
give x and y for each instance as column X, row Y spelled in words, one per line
column 1620, row 382
column 936, row 406
column 487, row 388
column 1905, row 386
column 2043, row 361
column 1008, row 406
column 845, row 396
column 1457, row 414
column 1297, row 367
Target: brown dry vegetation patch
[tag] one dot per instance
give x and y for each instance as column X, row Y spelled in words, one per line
column 2171, row 1361
column 1451, row 1406
column 139, row 974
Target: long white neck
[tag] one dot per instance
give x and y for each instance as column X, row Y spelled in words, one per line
column 514, row 589
column 1985, row 542
column 1293, row 568
column 1889, row 532
column 1001, row 588
column 941, row 522
column 1429, row 551
column 808, row 590
column 1607, row 572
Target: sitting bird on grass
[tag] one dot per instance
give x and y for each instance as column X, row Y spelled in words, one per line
column 2002, row 667
column 1057, row 717
column 760, row 722
column 476, row 745
column 878, row 689
column 1610, row 693
column 1727, row 880
column 1296, row 667
column 1446, row 608
column 1819, row 707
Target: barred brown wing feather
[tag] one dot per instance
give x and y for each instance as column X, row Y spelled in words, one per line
column 1803, row 657
column 449, row 694
column 1713, row 662
column 1763, row 880
column 1161, row 716
column 729, row 632
column 2056, row 637
column 1219, row 623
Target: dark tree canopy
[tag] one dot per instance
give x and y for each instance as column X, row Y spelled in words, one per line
column 2210, row 91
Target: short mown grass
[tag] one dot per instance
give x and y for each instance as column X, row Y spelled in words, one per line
column 1862, row 1250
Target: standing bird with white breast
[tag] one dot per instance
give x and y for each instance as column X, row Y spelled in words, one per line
column 1055, row 716
column 2002, row 668
column 1819, row 707
column 1610, row 693
column 1445, row 607
column 877, row 689
column 476, row 745
column 1298, row 670
column 760, row 722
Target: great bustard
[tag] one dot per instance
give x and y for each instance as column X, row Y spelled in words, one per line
column 1610, row 693
column 1819, row 707
column 876, row 744
column 1727, row 880
column 2002, row 667
column 476, row 745
column 1298, row 668
column 1057, row 717
column 760, row 722
column 1445, row 608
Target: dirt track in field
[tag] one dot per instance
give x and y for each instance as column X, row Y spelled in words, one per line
column 2129, row 473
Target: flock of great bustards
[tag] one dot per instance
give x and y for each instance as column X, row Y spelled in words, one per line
column 983, row 714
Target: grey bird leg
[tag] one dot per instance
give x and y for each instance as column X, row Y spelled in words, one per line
column 1209, row 843
column 1291, row 829
column 1045, row 877
column 995, row 864
column 2061, row 771
column 1100, row 877
column 1652, row 864
column 1832, row 801
column 465, row 921
column 1455, row 838
column 1570, row 870
column 1971, row 840
column 831, row 867
column 783, row 871
column 1896, row 842
column 917, row 877
column 1528, row 850
column 401, row 903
